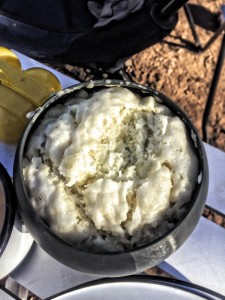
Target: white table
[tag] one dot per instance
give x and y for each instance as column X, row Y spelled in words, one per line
column 201, row 260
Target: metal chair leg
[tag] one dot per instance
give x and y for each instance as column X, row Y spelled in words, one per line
column 192, row 26
column 212, row 91
column 199, row 48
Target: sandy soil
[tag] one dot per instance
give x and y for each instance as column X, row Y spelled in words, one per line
column 185, row 76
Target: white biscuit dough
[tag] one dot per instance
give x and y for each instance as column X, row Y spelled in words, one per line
column 107, row 170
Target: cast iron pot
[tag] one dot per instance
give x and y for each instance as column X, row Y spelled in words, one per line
column 118, row 263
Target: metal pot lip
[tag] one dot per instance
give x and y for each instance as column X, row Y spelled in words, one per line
column 159, row 281
column 145, row 91
column 10, row 208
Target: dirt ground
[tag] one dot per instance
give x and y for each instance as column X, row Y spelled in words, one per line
column 182, row 75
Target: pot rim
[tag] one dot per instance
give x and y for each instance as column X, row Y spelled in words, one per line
column 138, row 88
column 159, row 281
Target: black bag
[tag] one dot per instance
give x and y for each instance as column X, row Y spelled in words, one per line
column 67, row 31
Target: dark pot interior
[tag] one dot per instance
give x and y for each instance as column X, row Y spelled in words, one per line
column 120, row 263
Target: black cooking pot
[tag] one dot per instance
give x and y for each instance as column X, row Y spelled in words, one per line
column 12, row 232
column 118, row 263
column 7, row 208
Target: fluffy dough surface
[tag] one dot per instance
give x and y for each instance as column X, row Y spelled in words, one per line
column 104, row 170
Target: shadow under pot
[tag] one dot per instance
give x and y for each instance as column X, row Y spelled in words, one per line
column 124, row 196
